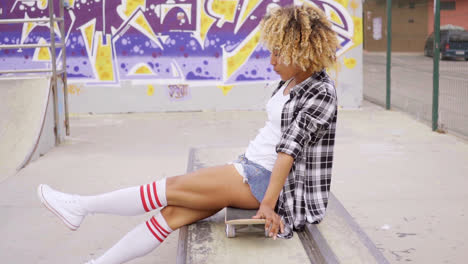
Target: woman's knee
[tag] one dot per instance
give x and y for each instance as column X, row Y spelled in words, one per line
column 171, row 182
column 176, row 183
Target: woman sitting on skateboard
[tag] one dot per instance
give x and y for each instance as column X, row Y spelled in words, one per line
column 285, row 172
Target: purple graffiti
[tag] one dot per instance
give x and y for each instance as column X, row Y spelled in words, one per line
column 160, row 40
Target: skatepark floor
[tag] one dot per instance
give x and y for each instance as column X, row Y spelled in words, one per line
column 404, row 184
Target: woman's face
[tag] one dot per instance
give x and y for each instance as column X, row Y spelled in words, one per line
column 286, row 72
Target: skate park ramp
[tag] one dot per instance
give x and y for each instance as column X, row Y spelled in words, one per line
column 25, row 131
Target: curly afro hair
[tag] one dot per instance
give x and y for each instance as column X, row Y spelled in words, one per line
column 301, row 35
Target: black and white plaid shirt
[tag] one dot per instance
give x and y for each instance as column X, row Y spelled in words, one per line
column 308, row 125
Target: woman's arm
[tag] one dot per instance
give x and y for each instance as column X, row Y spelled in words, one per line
column 279, row 174
column 266, row 211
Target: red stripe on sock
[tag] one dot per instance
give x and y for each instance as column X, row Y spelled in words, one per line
column 154, row 234
column 157, row 226
column 148, row 190
column 156, row 194
column 161, row 226
column 142, row 195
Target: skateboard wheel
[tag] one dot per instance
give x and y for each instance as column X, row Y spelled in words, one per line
column 230, row 231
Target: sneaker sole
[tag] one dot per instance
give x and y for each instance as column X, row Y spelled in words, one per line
column 50, row 208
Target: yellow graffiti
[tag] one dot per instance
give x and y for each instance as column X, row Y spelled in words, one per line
column 132, row 5
column 206, row 22
column 350, row 63
column 143, row 23
column 250, row 6
column 42, row 54
column 237, row 59
column 150, row 90
column 336, row 18
column 225, row 88
column 29, row 28
column 103, row 62
column 226, row 9
column 42, row 4
column 74, row 89
column 357, row 37
column 57, row 30
column 343, row 2
column 354, row 5
column 143, row 70
column 89, row 33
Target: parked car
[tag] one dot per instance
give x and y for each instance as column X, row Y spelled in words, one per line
column 453, row 43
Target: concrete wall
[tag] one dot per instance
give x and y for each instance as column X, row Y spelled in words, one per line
column 174, row 55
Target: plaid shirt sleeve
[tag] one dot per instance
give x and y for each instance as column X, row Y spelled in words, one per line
column 308, row 125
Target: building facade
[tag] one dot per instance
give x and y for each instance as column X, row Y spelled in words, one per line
column 412, row 22
column 454, row 12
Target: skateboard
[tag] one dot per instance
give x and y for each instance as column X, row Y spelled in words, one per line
column 241, row 220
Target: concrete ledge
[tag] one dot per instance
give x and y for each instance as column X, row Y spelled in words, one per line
column 337, row 239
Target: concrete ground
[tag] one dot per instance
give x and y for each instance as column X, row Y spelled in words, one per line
column 405, row 185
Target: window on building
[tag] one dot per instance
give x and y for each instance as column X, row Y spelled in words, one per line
column 410, row 3
column 447, row 5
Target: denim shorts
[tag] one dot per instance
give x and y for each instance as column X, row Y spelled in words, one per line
column 254, row 174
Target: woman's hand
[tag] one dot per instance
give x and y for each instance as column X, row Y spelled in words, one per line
column 273, row 221
column 266, row 211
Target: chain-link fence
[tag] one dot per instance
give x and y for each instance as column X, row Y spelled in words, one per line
column 453, row 73
column 412, row 60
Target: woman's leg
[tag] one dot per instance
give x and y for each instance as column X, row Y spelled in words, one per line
column 145, row 237
column 205, row 189
column 210, row 188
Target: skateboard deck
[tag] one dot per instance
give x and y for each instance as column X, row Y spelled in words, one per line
column 241, row 219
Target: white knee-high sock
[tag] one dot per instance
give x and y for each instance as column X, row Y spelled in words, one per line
column 138, row 242
column 129, row 201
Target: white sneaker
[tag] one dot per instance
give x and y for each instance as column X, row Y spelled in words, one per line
column 65, row 206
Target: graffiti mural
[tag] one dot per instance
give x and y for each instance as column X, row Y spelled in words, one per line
column 171, row 41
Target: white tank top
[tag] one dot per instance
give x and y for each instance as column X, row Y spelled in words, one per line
column 262, row 150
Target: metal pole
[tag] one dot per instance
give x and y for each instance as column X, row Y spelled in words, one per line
column 22, row 20
column 389, row 53
column 435, row 80
column 54, row 68
column 29, row 46
column 26, row 71
column 64, row 66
